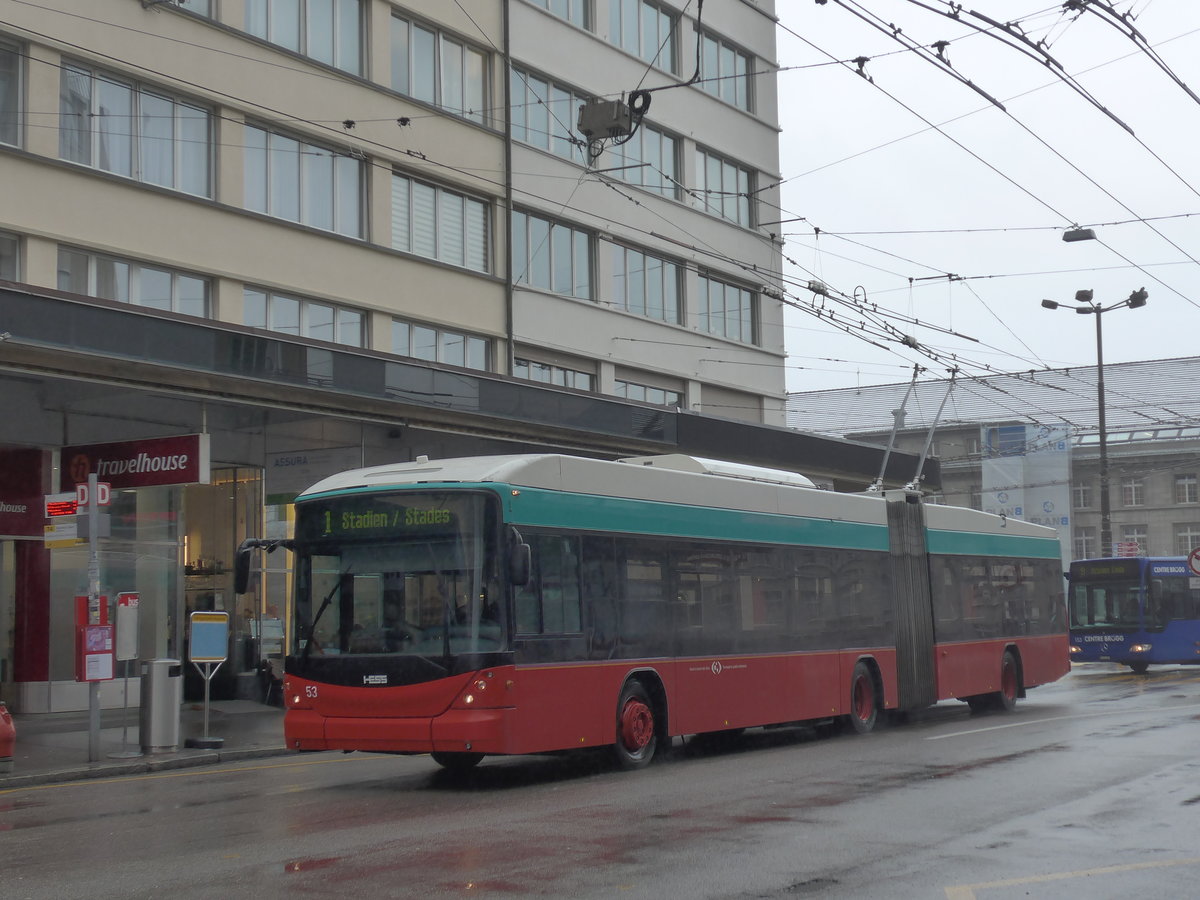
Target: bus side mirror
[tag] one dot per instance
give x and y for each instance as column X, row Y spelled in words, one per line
column 519, row 564
column 241, row 568
column 519, row 558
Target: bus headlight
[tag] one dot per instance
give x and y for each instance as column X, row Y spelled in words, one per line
column 1075, row 649
column 1140, row 648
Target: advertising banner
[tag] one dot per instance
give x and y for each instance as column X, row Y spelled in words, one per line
column 132, row 464
column 22, row 512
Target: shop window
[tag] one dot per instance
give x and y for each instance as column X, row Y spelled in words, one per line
column 306, row 318
column 129, row 281
column 301, row 182
column 329, row 31
column 133, row 130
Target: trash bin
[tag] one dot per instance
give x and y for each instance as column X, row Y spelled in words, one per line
column 162, row 696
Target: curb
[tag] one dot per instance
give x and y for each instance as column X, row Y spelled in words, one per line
column 142, row 766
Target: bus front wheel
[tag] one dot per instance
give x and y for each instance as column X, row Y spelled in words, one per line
column 1139, row 668
column 864, row 710
column 637, row 736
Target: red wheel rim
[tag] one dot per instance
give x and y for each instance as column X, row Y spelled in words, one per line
column 637, row 725
column 1008, row 679
column 864, row 698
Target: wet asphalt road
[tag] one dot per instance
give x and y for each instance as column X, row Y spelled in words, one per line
column 1090, row 789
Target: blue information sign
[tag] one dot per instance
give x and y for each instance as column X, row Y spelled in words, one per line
column 210, row 637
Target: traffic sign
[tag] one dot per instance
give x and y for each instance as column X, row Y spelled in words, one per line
column 1194, row 561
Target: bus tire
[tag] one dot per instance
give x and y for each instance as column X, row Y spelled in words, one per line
column 637, row 729
column 864, row 705
column 456, row 762
column 1005, row 699
column 1139, row 668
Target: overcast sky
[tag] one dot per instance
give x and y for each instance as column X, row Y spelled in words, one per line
column 987, row 200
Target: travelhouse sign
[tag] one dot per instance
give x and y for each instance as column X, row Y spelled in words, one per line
column 145, row 463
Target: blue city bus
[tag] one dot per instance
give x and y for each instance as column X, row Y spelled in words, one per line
column 1134, row 611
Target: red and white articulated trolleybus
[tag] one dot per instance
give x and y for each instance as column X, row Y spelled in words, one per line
column 539, row 603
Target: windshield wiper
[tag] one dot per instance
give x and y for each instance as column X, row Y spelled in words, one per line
column 312, row 627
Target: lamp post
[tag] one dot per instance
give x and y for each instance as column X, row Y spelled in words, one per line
column 1088, row 307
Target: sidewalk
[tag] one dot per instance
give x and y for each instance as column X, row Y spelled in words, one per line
column 53, row 747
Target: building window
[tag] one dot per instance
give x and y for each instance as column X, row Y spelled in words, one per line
column 9, row 247
column 647, row 394
column 301, row 182
column 1085, row 543
column 199, row 7
column 1138, row 534
column 727, row 310
column 1133, row 492
column 1187, row 539
column 454, row 348
column 646, row 285
column 725, row 71
column 722, row 188
column 10, row 93
column 1186, row 489
column 329, row 31
column 131, row 130
column 543, row 115
column 648, row 159
column 551, row 256
column 644, row 29
column 1081, row 496
column 545, row 373
column 305, row 318
column 975, row 496
column 438, row 69
column 127, row 281
column 440, row 224
column 574, row 11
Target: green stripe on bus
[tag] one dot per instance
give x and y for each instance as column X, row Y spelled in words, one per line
column 552, row 509
column 965, row 543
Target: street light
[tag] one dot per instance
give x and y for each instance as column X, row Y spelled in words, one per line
column 1088, row 307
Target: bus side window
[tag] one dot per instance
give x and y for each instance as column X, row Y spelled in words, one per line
column 549, row 603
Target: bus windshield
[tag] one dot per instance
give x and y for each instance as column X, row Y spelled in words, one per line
column 397, row 573
column 1105, row 604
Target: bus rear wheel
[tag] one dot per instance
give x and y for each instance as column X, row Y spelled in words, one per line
column 637, row 736
column 864, row 710
column 456, row 762
column 1010, row 683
